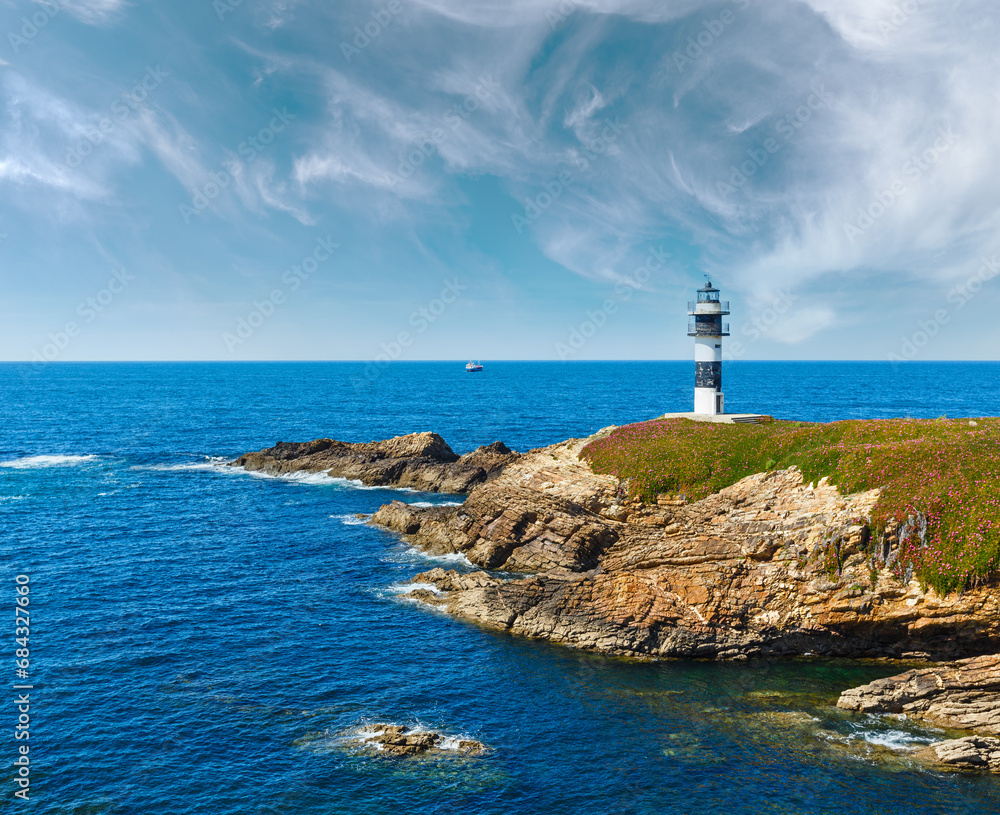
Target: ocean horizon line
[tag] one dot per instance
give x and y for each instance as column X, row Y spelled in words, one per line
column 461, row 360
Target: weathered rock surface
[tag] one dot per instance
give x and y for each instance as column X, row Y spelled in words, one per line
column 397, row 741
column 545, row 515
column 769, row 566
column 970, row 753
column 420, row 461
column 961, row 695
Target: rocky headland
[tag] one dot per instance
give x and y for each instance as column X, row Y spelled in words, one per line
column 420, row 461
column 770, row 566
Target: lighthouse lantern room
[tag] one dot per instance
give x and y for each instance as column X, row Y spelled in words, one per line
column 706, row 326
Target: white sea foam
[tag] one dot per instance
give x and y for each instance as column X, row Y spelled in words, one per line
column 321, row 479
column 875, row 732
column 316, row 479
column 37, row 462
column 12, row 498
column 452, row 557
column 221, row 464
column 368, row 733
column 896, row 739
column 351, row 520
column 209, row 463
column 406, row 588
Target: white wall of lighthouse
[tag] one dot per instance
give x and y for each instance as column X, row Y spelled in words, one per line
column 706, row 326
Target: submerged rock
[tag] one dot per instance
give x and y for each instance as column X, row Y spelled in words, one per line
column 420, row 461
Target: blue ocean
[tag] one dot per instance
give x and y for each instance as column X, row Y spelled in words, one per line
column 201, row 638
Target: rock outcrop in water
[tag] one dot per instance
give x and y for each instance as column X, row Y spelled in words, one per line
column 420, row 461
column 961, row 695
column 394, row 740
column 769, row 566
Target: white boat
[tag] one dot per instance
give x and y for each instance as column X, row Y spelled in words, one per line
column 473, row 367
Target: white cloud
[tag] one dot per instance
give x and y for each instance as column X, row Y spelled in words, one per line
column 92, row 12
column 802, row 323
column 176, row 149
column 553, row 13
column 563, row 70
column 894, row 81
column 39, row 140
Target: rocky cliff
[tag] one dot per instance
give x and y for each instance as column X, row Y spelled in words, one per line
column 420, row 461
column 769, row 566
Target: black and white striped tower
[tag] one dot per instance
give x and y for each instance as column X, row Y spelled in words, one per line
column 707, row 328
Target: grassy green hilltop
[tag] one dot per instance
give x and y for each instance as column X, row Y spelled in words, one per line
column 947, row 470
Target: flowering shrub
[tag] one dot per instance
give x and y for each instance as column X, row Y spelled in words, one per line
column 940, row 478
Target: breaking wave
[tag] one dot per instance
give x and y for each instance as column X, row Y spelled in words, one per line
column 38, row 462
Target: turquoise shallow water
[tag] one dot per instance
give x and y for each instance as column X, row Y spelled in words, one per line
column 201, row 638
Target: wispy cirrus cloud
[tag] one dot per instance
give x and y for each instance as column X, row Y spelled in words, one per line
column 888, row 86
column 755, row 139
column 92, row 12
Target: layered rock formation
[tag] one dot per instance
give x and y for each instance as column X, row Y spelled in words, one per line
column 769, row 566
column 420, row 461
column 963, row 695
column 970, row 753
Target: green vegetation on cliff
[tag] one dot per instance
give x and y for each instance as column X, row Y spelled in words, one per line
column 942, row 473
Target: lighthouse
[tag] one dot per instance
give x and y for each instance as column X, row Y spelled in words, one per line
column 706, row 326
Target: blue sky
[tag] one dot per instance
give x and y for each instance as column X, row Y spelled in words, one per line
column 502, row 179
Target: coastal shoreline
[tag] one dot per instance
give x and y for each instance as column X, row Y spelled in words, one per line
column 565, row 554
